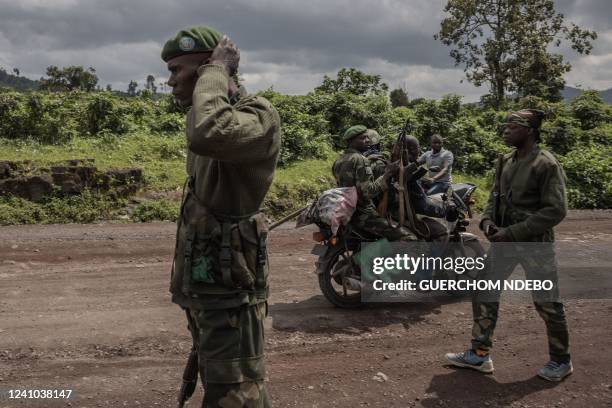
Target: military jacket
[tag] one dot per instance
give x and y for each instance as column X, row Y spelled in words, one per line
column 232, row 154
column 532, row 196
column 378, row 163
column 353, row 169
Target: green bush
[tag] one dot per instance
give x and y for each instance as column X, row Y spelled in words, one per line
column 589, row 109
column 158, row 210
column 148, row 131
column 562, row 134
column 84, row 208
column 589, row 177
column 105, row 114
column 304, row 135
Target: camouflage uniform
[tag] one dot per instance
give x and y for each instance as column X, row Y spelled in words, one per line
column 220, row 266
column 352, row 169
column 532, row 202
column 378, row 162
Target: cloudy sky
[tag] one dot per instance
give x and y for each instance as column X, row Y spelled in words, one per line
column 287, row 44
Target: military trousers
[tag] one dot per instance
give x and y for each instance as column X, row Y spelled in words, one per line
column 485, row 304
column 230, row 344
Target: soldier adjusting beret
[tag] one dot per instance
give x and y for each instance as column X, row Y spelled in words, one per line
column 191, row 40
column 353, row 131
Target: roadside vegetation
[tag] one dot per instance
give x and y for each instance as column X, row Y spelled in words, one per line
column 148, row 132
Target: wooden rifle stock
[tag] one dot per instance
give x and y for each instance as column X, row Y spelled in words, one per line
column 190, row 374
column 383, row 205
column 497, row 188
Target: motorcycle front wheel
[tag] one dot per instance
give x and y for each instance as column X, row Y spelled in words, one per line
column 333, row 280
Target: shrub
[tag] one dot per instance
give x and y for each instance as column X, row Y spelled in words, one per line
column 158, row 210
column 589, row 109
column 589, row 177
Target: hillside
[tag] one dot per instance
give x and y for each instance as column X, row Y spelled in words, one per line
column 18, row 83
column 570, row 93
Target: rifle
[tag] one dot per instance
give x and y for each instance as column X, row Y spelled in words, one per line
column 190, row 374
column 383, row 205
column 497, row 188
column 287, row 218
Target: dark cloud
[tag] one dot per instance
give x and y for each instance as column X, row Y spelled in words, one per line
column 280, row 37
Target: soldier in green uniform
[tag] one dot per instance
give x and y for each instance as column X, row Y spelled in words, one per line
column 219, row 273
column 532, row 200
column 352, row 169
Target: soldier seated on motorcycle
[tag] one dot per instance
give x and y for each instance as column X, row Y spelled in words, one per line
column 352, row 169
column 420, row 201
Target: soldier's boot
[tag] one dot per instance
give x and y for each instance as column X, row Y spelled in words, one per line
column 469, row 359
column 554, row 371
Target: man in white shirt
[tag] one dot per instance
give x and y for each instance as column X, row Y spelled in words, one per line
column 439, row 163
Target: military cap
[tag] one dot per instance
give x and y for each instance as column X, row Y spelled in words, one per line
column 354, row 131
column 191, row 40
column 374, row 136
column 530, row 118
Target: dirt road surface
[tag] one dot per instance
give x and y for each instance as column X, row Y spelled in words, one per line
column 86, row 308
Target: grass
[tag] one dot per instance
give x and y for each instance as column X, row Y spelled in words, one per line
column 161, row 157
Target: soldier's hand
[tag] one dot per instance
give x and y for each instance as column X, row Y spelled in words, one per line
column 501, row 235
column 226, row 54
column 391, row 170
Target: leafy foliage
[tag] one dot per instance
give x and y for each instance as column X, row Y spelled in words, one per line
column 589, row 109
column 160, row 210
column 353, row 81
column 399, row 97
column 589, row 180
column 69, row 79
column 59, row 117
column 84, row 208
column 147, row 132
column 17, row 82
column 506, row 44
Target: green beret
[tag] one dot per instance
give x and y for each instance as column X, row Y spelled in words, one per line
column 354, row 131
column 191, row 40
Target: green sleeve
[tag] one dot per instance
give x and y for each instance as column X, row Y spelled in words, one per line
column 223, row 132
column 366, row 185
column 553, row 206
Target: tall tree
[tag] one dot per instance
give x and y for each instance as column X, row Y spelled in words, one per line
column 70, row 78
column 353, row 81
column 505, row 42
column 150, row 85
column 131, row 91
column 399, row 97
column 16, row 71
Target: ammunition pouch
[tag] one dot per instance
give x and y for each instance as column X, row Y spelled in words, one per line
column 220, row 254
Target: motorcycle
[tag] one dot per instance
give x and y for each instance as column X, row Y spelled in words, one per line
column 339, row 275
